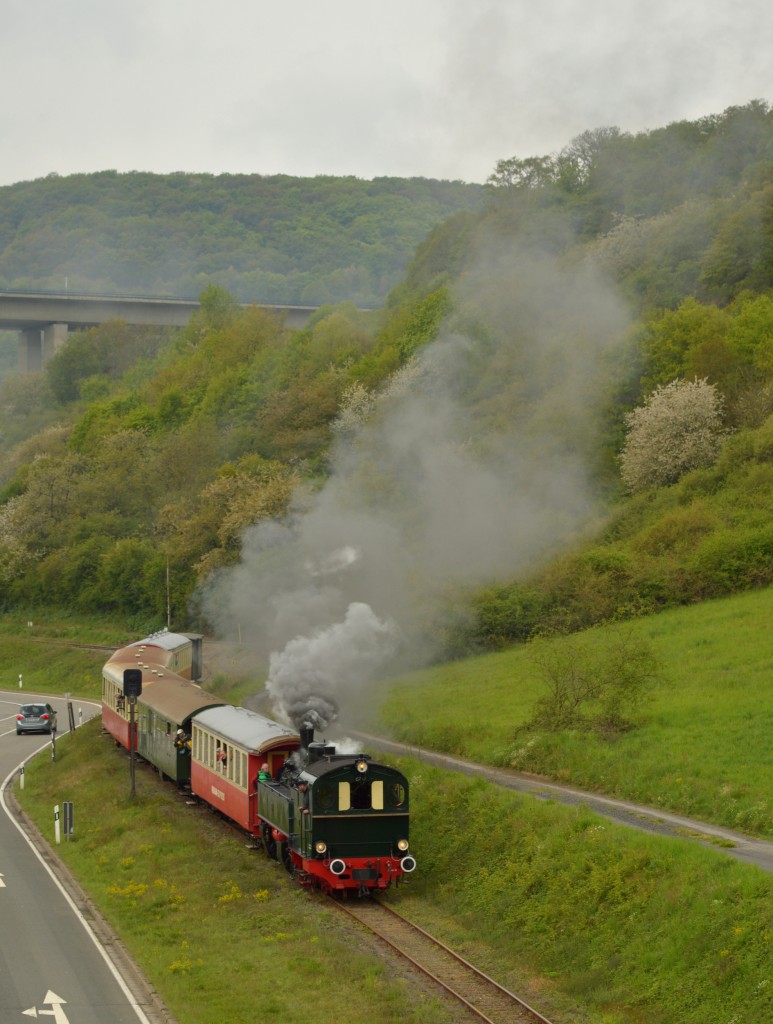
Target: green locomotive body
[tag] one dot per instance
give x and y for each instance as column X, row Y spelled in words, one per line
column 338, row 822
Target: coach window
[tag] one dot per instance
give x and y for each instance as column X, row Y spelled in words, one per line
column 377, row 795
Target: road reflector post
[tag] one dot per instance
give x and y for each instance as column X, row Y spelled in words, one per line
column 68, row 818
column 21, row 777
column 57, row 834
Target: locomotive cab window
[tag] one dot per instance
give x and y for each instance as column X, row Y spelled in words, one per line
column 324, row 798
column 344, row 797
column 395, row 794
column 361, row 795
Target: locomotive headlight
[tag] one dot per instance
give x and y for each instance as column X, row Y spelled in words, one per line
column 361, row 766
column 402, row 845
column 320, row 847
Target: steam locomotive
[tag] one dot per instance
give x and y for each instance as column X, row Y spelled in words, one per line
column 337, row 822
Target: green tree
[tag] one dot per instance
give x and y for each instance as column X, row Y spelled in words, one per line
column 674, row 334
column 529, row 173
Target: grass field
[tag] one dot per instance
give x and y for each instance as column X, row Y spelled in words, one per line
column 39, row 649
column 703, row 743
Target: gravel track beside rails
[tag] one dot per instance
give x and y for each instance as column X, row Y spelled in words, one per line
column 484, row 998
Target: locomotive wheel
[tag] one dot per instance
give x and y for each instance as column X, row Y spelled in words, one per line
column 269, row 843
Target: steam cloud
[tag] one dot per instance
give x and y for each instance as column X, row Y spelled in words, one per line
column 470, row 467
column 305, row 678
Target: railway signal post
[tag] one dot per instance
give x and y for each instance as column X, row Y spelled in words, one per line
column 132, row 688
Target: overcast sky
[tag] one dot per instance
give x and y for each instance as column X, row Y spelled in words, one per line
column 430, row 88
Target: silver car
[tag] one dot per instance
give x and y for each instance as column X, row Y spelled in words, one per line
column 35, row 718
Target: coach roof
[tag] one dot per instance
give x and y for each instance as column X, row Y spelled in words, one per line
column 246, row 728
column 178, row 698
column 168, row 641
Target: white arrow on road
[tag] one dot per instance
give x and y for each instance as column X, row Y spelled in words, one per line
column 2, row 883
column 56, row 1011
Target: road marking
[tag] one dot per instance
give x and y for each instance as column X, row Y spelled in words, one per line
column 56, row 1011
column 2, row 883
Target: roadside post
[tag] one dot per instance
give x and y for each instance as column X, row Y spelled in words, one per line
column 21, row 777
column 132, row 688
column 68, row 818
column 70, row 712
column 20, row 680
column 57, row 831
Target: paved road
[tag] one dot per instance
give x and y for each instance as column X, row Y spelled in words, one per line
column 647, row 819
column 53, row 965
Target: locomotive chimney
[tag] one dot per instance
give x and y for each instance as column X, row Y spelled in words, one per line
column 307, row 735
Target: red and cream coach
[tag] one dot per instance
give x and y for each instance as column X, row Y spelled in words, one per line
column 229, row 746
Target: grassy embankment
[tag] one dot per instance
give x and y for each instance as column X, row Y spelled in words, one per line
column 38, row 648
column 553, row 901
column 702, row 745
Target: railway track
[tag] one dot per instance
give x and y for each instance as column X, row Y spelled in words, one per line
column 484, row 998
column 58, row 642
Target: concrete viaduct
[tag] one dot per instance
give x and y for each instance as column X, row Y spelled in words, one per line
column 44, row 320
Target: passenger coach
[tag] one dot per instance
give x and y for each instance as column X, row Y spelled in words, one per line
column 157, row 655
column 229, row 747
column 164, row 728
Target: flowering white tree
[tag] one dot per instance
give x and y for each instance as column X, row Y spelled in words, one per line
column 678, row 428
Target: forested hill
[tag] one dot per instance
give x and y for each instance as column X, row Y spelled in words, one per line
column 473, row 437
column 276, row 239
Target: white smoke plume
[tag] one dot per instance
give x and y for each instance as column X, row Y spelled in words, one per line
column 470, row 467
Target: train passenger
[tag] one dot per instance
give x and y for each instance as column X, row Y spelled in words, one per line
column 264, row 775
column 182, row 742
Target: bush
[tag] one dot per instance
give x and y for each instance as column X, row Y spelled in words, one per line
column 732, row 560
column 592, row 682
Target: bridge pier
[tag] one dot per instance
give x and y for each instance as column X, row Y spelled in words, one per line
column 54, row 336
column 37, row 346
column 30, row 351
